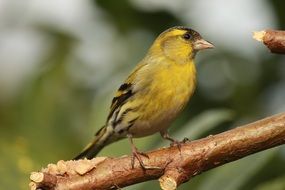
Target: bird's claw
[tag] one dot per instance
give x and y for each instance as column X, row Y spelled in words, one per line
column 176, row 143
column 179, row 143
column 185, row 140
column 136, row 154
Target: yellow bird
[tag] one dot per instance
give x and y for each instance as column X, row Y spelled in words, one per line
column 155, row 92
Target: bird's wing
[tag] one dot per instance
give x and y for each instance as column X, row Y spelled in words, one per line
column 125, row 91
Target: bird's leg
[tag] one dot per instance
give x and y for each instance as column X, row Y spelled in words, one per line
column 136, row 154
column 165, row 135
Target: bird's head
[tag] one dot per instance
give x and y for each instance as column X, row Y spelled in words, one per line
column 180, row 43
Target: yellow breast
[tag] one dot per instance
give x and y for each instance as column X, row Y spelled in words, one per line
column 172, row 87
column 167, row 95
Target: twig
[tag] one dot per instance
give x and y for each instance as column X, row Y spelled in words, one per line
column 273, row 39
column 175, row 167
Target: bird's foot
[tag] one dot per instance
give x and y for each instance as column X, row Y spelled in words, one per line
column 174, row 142
column 185, row 140
column 137, row 155
column 178, row 143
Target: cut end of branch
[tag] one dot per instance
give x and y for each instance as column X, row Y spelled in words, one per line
column 33, row 186
column 167, row 183
column 37, row 177
column 44, row 179
column 172, row 178
column 259, row 35
column 47, row 177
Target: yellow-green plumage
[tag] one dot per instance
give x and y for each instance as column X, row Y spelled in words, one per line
column 155, row 92
column 164, row 97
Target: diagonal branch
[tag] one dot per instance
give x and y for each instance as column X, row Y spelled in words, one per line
column 170, row 166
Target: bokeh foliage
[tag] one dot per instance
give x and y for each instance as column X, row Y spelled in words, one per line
column 56, row 108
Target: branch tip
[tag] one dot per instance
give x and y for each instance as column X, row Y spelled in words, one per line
column 259, row 35
column 273, row 39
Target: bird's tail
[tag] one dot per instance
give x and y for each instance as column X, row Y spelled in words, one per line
column 102, row 138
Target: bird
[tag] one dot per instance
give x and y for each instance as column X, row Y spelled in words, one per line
column 154, row 94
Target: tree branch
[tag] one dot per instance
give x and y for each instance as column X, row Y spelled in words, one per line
column 273, row 39
column 171, row 166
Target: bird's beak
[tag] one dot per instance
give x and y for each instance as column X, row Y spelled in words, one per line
column 202, row 44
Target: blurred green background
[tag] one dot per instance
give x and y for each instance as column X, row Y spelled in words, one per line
column 62, row 60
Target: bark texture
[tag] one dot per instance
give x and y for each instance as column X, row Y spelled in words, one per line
column 170, row 165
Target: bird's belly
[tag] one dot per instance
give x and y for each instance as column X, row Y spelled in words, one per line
column 144, row 128
column 166, row 97
column 159, row 115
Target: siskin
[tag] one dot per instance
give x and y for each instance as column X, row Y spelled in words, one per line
column 155, row 92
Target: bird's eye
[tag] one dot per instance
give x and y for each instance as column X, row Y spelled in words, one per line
column 187, row 36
